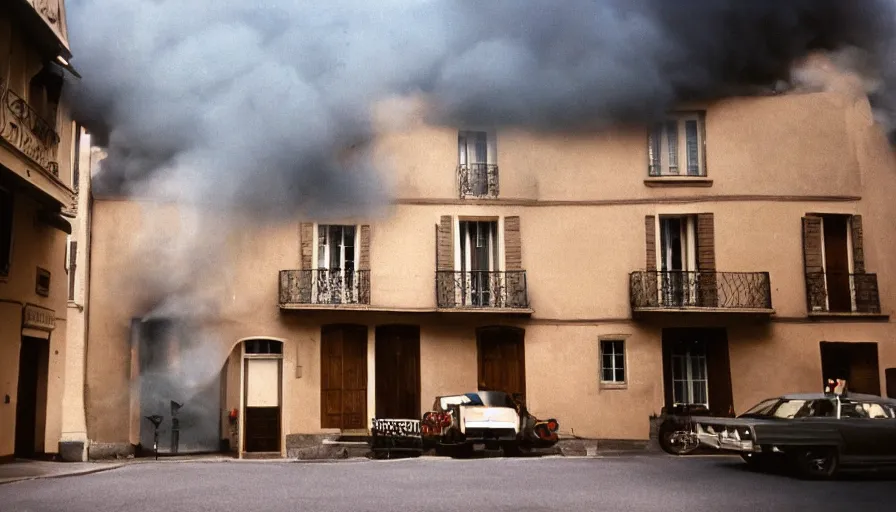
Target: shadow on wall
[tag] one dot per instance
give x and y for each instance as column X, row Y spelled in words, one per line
column 179, row 379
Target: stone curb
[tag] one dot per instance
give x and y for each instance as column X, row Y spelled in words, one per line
column 81, row 472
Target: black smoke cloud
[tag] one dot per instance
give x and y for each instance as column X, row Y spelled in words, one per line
column 268, row 104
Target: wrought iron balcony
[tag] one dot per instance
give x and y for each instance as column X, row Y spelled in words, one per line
column 477, row 180
column 680, row 290
column 324, row 286
column 482, row 289
column 834, row 292
column 25, row 130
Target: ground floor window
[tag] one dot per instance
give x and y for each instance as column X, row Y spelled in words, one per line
column 689, row 381
column 612, row 356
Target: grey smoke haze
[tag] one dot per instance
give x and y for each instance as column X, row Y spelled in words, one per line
column 267, row 104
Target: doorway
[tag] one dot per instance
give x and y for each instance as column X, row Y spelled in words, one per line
column 697, row 369
column 343, row 377
column 263, row 367
column 398, row 372
column 678, row 260
column 836, row 262
column 854, row 362
column 502, row 361
column 478, row 261
column 31, row 404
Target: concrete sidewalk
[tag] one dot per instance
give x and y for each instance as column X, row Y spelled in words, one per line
column 22, row 469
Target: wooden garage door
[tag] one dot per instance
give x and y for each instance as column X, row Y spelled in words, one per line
column 343, row 379
column 502, row 362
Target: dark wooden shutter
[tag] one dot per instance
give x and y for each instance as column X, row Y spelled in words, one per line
column 364, row 266
column 445, row 262
column 517, row 296
column 72, row 265
column 867, row 294
column 650, row 231
column 812, row 264
column 858, row 245
column 707, row 282
column 330, row 377
column 306, row 248
column 644, row 286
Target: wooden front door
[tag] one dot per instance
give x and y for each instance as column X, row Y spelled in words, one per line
column 343, row 379
column 836, row 263
column 502, row 362
column 262, row 421
column 398, row 372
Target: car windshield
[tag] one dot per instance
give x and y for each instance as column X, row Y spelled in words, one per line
column 785, row 408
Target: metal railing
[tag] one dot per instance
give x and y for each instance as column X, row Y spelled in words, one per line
column 477, row 180
column 324, row 286
column 836, row 292
column 23, row 128
column 697, row 290
column 482, row 289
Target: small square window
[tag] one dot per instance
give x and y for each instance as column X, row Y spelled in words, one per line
column 612, row 361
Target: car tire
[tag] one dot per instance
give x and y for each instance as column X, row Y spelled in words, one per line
column 817, row 462
column 672, row 444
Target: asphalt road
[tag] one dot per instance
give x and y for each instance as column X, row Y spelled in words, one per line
column 434, row 484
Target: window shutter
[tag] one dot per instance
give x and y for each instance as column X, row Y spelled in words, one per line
column 707, row 282
column 72, row 259
column 306, row 239
column 692, row 148
column 364, row 263
column 858, row 248
column 650, row 230
column 706, row 243
column 445, row 262
column 513, row 255
column 654, row 136
column 672, row 142
column 812, row 264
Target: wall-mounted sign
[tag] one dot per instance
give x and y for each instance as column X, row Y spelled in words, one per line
column 36, row 317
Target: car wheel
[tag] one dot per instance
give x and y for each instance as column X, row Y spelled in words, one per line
column 678, row 442
column 817, row 462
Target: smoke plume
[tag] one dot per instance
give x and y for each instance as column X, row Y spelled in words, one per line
column 267, row 105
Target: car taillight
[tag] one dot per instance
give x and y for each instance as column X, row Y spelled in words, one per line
column 553, row 425
column 445, row 420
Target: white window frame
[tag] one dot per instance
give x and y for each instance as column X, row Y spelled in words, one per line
column 688, row 236
column 349, row 294
column 463, row 260
column 675, row 163
column 689, row 380
column 613, row 384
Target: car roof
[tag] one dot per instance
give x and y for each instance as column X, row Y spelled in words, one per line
column 847, row 398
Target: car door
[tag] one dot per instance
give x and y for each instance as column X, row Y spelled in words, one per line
column 868, row 432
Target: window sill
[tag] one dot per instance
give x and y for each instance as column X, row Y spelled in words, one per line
column 827, row 315
column 678, row 181
column 613, row 385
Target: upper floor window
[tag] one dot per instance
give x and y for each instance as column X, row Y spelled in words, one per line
column 675, row 146
column 6, row 214
column 477, row 169
column 44, row 92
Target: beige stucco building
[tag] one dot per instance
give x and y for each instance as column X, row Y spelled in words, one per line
column 38, row 183
column 736, row 251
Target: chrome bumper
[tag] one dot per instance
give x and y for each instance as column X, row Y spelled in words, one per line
column 721, row 442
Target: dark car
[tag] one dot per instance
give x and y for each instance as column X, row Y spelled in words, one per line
column 818, row 433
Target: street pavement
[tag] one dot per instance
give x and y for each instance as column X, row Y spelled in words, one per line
column 622, row 483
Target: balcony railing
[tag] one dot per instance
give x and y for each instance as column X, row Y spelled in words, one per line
column 833, row 292
column 676, row 290
column 482, row 289
column 25, row 130
column 477, row 180
column 324, row 286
